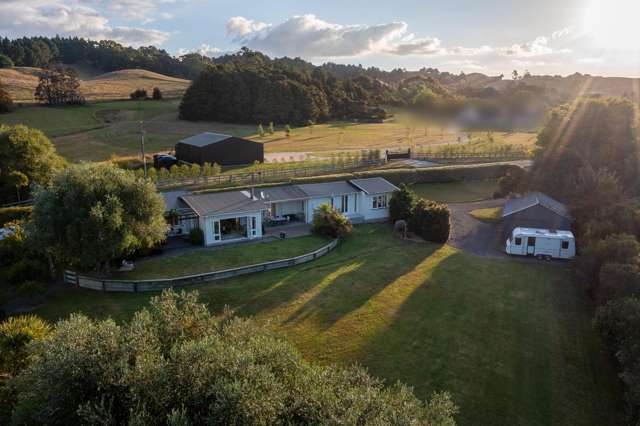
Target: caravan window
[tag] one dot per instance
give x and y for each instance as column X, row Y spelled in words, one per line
column 565, row 245
column 518, row 241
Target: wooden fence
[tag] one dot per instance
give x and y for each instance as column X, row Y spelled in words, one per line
column 135, row 286
column 267, row 175
column 468, row 157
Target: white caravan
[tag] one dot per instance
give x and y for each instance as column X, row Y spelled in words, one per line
column 541, row 243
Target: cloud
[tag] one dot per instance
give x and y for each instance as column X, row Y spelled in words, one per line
column 310, row 37
column 204, row 50
column 69, row 18
column 144, row 11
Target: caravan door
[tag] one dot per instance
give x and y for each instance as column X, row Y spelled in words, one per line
column 531, row 245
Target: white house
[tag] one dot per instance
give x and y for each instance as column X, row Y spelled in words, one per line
column 239, row 215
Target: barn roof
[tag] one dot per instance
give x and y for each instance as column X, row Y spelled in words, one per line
column 224, row 202
column 204, row 139
column 375, row 185
column 532, row 199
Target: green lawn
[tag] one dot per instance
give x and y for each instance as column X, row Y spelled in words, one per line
column 207, row 260
column 457, row 192
column 59, row 121
column 490, row 215
column 512, row 341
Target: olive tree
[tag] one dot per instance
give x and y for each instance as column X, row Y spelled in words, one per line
column 176, row 363
column 92, row 214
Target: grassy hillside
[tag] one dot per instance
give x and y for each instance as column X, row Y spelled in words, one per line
column 21, row 82
column 512, row 341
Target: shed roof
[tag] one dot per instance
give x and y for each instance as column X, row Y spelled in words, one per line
column 374, row 185
column 326, row 189
column 217, row 203
column 172, row 199
column 516, row 205
column 204, row 139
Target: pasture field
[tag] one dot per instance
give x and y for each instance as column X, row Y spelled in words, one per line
column 21, row 83
column 100, row 130
column 457, row 192
column 512, row 341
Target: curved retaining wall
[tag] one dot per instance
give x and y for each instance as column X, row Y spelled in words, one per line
column 135, row 286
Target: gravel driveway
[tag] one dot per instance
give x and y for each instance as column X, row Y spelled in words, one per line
column 472, row 235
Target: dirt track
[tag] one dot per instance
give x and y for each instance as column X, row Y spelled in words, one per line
column 472, row 235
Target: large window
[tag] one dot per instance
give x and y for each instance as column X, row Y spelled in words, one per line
column 380, row 202
column 344, row 206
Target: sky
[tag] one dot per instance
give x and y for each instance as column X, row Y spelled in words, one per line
column 598, row 37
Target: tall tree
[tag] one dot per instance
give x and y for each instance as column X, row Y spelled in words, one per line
column 6, row 103
column 29, row 152
column 59, row 86
column 91, row 214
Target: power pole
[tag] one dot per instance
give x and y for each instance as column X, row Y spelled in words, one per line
column 144, row 157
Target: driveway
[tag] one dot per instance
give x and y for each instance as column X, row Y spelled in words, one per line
column 472, row 235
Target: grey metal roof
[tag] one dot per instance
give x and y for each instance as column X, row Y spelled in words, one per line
column 204, row 139
column 515, row 205
column 282, row 193
column 172, row 199
column 375, row 185
column 328, row 188
column 218, row 203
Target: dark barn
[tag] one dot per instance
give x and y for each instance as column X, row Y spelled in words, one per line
column 535, row 210
column 224, row 150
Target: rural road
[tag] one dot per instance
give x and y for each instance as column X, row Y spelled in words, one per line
column 473, row 236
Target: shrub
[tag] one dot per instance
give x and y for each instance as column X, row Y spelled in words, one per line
column 196, row 237
column 330, row 222
column 5, row 61
column 174, row 360
column 6, row 102
column 619, row 324
column 431, row 221
column 402, row 203
column 618, row 280
column 157, row 94
column 139, row 94
column 619, row 248
column 15, row 334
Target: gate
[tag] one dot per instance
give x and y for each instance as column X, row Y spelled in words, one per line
column 398, row 155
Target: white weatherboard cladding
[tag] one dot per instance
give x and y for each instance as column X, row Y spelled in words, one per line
column 369, row 212
column 289, row 207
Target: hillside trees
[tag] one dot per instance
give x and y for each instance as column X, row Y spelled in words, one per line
column 92, row 214
column 6, row 102
column 176, row 363
column 59, row 86
column 5, row 61
column 28, row 152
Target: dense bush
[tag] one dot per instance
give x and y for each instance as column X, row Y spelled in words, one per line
column 175, row 363
column 157, row 94
column 5, row 61
column 91, row 214
column 139, row 94
column 401, row 204
column 330, row 222
column 618, row 280
column 617, row 248
column 619, row 324
column 196, row 237
column 59, row 86
column 15, row 335
column 6, row 102
column 431, row 221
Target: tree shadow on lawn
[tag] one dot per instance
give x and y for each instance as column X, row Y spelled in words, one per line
column 490, row 332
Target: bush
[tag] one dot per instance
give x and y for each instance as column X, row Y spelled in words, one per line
column 431, row 221
column 157, row 94
column 401, row 203
column 15, row 334
column 6, row 102
column 619, row 324
column 196, row 237
column 174, row 360
column 618, row 280
column 139, row 94
column 329, row 222
column 5, row 61
column 10, row 214
column 618, row 248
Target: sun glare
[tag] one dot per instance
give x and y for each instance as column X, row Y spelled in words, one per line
column 614, row 23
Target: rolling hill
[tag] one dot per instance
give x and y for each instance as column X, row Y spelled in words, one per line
column 21, row 82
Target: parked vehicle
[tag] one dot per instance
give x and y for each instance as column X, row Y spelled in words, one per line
column 164, row 160
column 541, row 243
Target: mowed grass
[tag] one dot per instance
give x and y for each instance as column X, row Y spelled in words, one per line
column 203, row 260
column 490, row 215
column 512, row 341
column 457, row 192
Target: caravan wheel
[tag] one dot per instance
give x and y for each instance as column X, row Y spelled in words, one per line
column 547, row 258
column 539, row 257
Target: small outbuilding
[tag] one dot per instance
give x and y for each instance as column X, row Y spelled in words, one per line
column 225, row 150
column 535, row 210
